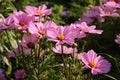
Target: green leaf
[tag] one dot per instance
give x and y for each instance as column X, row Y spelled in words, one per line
column 110, row 76
column 9, row 69
column 13, row 41
column 5, row 60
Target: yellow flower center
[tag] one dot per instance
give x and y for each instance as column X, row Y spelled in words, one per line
column 108, row 12
column 61, row 37
column 42, row 32
column 92, row 64
column 22, row 23
column 40, row 12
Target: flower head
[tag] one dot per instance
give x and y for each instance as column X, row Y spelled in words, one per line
column 62, row 35
column 7, row 23
column 97, row 64
column 39, row 29
column 108, row 11
column 22, row 21
column 40, row 11
column 112, row 4
column 20, row 74
column 29, row 41
column 117, row 1
column 93, row 14
column 2, row 77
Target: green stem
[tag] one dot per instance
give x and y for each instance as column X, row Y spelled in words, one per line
column 83, row 47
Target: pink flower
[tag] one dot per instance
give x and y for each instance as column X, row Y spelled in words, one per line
column 7, row 23
column 20, row 74
column 50, row 24
column 18, row 51
column 93, row 12
column 66, row 50
column 97, row 64
column 30, row 10
column 89, row 29
column 92, row 15
column 79, row 33
column 25, row 46
column 2, row 77
column 29, row 41
column 117, row 40
column 117, row 1
column 22, row 20
column 11, row 54
column 41, row 10
column 62, row 35
column 39, row 28
column 16, row 13
column 108, row 11
column 112, row 4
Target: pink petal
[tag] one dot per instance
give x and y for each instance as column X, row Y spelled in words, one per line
column 52, row 34
column 26, row 38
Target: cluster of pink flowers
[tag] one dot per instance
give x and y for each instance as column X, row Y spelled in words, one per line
column 31, row 21
column 23, row 19
column 109, row 8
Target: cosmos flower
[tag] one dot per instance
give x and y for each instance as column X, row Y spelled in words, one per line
column 79, row 33
column 20, row 74
column 2, row 77
column 22, row 20
column 96, row 63
column 93, row 14
column 108, row 11
column 40, row 29
column 112, row 4
column 16, row 13
column 19, row 50
column 40, row 11
column 116, row 1
column 62, row 35
column 66, row 50
column 6, row 23
column 29, row 41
